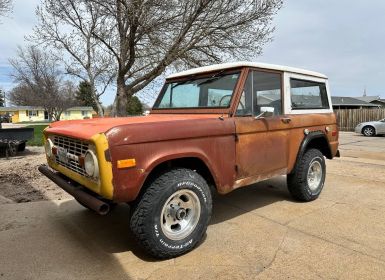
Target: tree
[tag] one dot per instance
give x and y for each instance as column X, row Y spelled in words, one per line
column 2, row 98
column 146, row 37
column 134, row 106
column 40, row 83
column 68, row 27
column 5, row 7
column 84, row 95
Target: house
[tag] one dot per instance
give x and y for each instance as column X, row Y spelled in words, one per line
column 38, row 114
column 343, row 102
column 376, row 100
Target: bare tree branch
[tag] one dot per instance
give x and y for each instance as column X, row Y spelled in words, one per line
column 39, row 82
column 147, row 37
column 68, row 27
column 5, row 7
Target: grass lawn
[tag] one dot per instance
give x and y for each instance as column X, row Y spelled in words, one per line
column 38, row 135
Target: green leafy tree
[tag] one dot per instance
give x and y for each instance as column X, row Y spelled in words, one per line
column 134, row 106
column 85, row 97
column 2, row 99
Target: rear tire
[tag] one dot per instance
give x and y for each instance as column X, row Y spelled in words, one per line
column 21, row 147
column 172, row 215
column 369, row 131
column 306, row 182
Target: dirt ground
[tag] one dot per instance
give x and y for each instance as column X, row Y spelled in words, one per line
column 20, row 180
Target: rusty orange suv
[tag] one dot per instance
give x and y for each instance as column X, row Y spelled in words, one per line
column 211, row 129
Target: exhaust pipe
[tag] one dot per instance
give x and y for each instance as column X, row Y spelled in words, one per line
column 99, row 206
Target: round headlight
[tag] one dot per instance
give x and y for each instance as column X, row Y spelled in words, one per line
column 48, row 147
column 91, row 164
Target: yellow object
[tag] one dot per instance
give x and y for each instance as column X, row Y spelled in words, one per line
column 125, row 163
column 104, row 185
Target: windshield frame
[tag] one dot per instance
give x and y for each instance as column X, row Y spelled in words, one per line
column 201, row 110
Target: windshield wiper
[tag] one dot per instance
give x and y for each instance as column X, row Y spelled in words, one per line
column 212, row 78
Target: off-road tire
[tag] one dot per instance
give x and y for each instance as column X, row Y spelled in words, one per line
column 21, row 147
column 297, row 181
column 146, row 213
column 368, row 131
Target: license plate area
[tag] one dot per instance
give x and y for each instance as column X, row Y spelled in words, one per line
column 62, row 155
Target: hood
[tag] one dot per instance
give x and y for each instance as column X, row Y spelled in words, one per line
column 85, row 129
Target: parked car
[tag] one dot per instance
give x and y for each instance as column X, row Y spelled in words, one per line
column 371, row 128
column 212, row 129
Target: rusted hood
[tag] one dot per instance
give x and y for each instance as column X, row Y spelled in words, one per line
column 136, row 129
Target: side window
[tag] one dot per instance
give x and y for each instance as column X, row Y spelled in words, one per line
column 308, row 95
column 262, row 89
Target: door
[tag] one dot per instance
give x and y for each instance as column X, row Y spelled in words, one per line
column 262, row 142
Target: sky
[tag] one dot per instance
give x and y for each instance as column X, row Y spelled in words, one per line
column 343, row 39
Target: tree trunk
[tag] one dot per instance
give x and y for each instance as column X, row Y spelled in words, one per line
column 120, row 103
column 95, row 96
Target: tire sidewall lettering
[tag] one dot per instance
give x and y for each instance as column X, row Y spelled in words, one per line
column 189, row 240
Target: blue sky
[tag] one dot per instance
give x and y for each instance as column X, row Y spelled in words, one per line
column 343, row 39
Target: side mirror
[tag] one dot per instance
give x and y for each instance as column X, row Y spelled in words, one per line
column 265, row 112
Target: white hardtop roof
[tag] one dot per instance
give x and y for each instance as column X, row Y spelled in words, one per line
column 222, row 66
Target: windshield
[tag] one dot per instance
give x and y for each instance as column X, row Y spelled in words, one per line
column 214, row 91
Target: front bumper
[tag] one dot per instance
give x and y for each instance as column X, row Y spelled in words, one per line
column 358, row 129
column 86, row 198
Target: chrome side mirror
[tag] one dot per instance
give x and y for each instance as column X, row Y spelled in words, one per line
column 265, row 112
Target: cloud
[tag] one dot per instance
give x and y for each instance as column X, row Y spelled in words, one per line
column 343, row 39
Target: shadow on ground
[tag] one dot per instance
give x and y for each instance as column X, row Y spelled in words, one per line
column 111, row 233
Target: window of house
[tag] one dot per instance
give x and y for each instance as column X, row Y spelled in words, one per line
column 262, row 89
column 67, row 113
column 308, row 95
column 32, row 113
column 84, row 113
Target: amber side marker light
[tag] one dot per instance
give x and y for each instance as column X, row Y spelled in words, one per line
column 126, row 163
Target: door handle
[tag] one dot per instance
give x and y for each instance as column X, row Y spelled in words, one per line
column 286, row 120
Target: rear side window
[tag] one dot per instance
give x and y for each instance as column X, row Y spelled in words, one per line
column 308, row 95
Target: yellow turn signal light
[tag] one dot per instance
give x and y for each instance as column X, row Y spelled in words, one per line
column 126, row 163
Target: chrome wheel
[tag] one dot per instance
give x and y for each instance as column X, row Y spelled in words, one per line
column 180, row 214
column 314, row 175
column 368, row 131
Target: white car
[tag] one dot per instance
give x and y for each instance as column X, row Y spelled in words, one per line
column 371, row 128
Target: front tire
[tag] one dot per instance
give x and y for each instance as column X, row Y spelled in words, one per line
column 306, row 182
column 172, row 215
column 369, row 131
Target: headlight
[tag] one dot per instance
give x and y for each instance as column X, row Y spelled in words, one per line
column 91, row 164
column 48, row 147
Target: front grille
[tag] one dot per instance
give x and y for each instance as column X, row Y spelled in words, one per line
column 75, row 148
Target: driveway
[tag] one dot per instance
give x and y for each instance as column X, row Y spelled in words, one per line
column 255, row 233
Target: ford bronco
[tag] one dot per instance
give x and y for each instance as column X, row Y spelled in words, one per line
column 211, row 129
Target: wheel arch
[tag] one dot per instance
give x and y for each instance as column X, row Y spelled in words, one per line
column 317, row 140
column 369, row 125
column 193, row 162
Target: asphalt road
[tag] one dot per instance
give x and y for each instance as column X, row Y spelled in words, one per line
column 255, row 233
